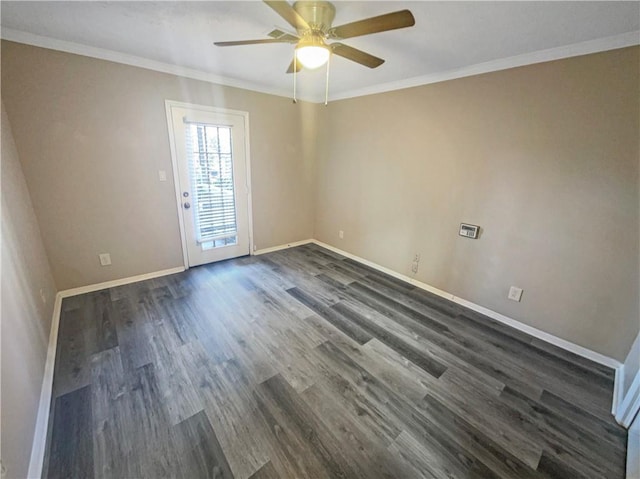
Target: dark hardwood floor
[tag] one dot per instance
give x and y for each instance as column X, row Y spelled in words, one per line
column 302, row 363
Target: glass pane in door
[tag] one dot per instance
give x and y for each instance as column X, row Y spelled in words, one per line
column 210, row 159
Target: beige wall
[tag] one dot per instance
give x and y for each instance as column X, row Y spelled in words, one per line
column 92, row 136
column 544, row 158
column 26, row 318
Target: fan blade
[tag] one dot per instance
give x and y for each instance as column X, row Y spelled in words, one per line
column 382, row 23
column 280, row 35
column 287, row 12
column 356, row 55
column 256, row 42
column 293, row 64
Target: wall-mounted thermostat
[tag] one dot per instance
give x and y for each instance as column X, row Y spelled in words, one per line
column 469, row 231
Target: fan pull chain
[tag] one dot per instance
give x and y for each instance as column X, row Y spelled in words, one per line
column 326, row 90
column 295, row 74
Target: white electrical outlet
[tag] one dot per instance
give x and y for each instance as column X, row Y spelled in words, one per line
column 515, row 293
column 162, row 175
column 105, row 259
column 341, row 234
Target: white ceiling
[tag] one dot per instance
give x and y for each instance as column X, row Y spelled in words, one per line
column 450, row 39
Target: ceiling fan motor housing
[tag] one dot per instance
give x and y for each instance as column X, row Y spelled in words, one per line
column 319, row 15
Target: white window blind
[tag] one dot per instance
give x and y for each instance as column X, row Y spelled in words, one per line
column 210, row 161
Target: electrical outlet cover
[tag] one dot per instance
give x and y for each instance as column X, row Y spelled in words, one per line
column 515, row 293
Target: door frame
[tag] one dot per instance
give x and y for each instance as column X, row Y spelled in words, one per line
column 169, row 104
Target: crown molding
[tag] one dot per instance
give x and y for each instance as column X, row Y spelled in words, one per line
column 576, row 49
column 133, row 60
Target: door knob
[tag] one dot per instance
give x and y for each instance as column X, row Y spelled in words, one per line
column 187, row 205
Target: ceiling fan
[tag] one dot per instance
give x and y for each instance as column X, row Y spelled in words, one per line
column 312, row 21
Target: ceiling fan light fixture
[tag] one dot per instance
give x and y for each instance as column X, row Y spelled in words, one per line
column 312, row 52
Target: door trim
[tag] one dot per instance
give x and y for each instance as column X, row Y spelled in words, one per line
column 169, row 104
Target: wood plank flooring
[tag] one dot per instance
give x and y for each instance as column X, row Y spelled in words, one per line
column 305, row 364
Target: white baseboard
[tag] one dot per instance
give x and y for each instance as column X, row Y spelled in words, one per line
column 549, row 338
column 627, row 399
column 618, row 390
column 119, row 282
column 42, row 420
column 544, row 336
column 629, row 405
column 281, row 247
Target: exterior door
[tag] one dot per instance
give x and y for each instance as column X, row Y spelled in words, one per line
column 210, row 160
